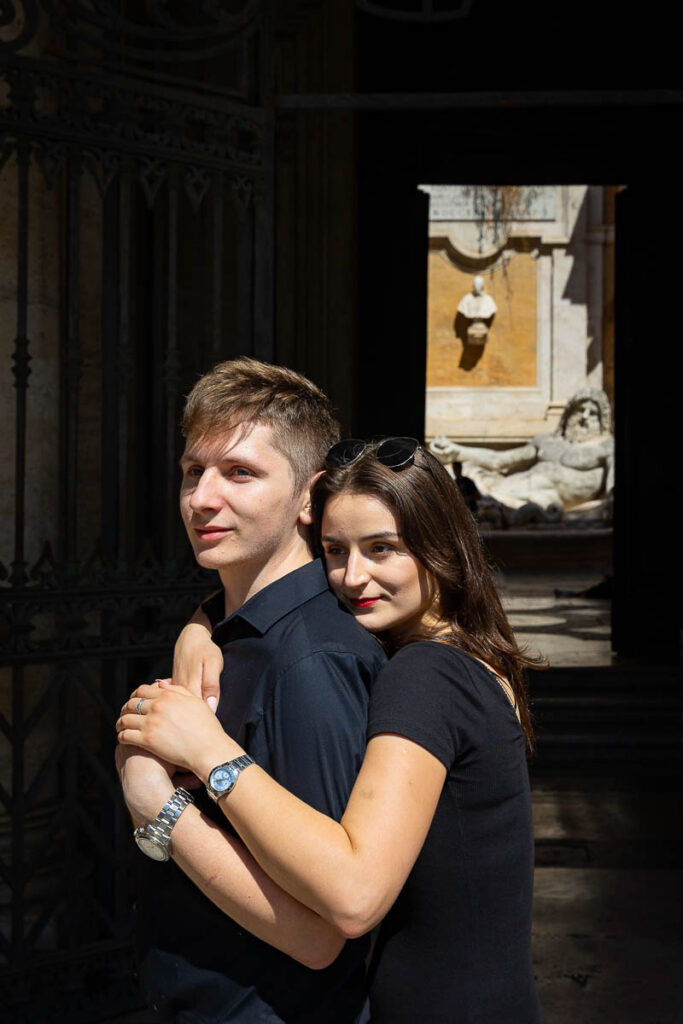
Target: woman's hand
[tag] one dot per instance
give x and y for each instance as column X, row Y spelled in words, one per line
column 198, row 661
column 175, row 726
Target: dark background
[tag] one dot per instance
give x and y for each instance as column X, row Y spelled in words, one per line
column 258, row 183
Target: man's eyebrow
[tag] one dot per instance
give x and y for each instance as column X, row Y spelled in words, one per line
column 383, row 535
column 192, row 456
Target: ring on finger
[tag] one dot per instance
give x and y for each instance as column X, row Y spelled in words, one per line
column 138, row 706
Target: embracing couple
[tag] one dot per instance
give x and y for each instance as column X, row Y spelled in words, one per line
column 365, row 767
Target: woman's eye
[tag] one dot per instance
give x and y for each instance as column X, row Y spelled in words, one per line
column 195, row 472
column 381, row 549
column 240, row 471
column 332, row 551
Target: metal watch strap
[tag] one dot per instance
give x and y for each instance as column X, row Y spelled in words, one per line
column 170, row 812
column 241, row 762
column 162, row 826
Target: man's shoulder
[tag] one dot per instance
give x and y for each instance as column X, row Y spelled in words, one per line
column 324, row 626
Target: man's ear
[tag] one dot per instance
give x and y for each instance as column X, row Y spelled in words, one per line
column 306, row 510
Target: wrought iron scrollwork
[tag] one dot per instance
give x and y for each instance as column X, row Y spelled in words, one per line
column 112, row 116
column 19, row 20
column 109, row 144
column 162, row 32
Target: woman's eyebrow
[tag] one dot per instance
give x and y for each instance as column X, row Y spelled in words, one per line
column 371, row 536
column 383, row 535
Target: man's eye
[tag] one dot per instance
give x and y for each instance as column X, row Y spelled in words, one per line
column 240, row 471
column 194, row 471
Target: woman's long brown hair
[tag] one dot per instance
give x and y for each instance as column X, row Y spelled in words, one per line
column 439, row 530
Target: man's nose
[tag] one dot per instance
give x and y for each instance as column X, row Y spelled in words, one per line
column 206, row 493
column 356, row 572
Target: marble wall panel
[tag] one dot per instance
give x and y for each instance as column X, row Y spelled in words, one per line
column 551, row 331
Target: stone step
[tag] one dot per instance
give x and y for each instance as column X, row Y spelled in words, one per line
column 614, row 853
column 640, row 761
column 625, row 714
column 608, row 745
column 606, row 680
column 600, row 711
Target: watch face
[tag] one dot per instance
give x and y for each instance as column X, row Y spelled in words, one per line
column 152, row 847
column 223, row 779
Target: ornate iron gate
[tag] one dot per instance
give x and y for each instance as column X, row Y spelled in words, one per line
column 135, row 242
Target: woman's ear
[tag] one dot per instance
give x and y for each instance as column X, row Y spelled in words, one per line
column 306, row 510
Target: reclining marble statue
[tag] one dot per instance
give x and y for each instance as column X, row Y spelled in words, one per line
column 550, row 475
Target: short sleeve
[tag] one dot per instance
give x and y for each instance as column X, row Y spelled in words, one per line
column 313, row 728
column 418, row 695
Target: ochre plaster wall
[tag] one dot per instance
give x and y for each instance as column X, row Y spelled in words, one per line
column 509, row 356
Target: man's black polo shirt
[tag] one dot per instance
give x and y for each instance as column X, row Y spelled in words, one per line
column 294, row 694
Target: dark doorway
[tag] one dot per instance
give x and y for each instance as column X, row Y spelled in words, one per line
column 398, row 151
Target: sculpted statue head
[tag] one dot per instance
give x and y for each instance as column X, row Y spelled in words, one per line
column 586, row 415
column 478, row 285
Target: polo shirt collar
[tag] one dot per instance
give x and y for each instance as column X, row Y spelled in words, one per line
column 281, row 597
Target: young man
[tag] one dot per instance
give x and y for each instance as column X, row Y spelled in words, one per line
column 294, row 693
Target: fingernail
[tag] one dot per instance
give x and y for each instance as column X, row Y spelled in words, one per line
column 213, row 703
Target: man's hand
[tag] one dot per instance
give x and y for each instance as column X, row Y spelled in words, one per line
column 146, row 782
column 198, row 661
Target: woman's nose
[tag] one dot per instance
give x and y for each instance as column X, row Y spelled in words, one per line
column 356, row 573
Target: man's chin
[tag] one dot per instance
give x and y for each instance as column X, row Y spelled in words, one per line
column 212, row 558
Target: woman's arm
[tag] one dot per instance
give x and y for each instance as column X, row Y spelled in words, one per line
column 224, row 870
column 198, row 661
column 349, row 872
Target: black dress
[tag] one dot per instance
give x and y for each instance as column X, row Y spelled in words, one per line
column 455, row 947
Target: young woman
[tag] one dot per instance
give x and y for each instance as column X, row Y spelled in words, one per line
column 436, row 841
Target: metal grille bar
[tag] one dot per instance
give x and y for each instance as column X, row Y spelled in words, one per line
column 127, row 166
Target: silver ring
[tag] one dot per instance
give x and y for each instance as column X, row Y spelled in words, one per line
column 138, row 706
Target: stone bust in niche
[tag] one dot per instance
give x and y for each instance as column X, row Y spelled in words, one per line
column 478, row 310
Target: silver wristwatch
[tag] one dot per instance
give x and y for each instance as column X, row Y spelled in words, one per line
column 223, row 777
column 155, row 839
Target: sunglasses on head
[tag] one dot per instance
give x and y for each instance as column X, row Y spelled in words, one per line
column 394, row 453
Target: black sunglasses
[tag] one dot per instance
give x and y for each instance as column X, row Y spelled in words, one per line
column 394, row 453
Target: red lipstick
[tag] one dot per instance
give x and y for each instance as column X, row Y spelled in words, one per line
column 363, row 602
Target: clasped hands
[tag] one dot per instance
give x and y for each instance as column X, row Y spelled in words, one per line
column 163, row 736
column 174, row 725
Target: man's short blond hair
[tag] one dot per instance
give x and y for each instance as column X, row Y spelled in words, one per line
column 243, row 391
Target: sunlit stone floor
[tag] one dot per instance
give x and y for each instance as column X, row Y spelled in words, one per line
column 549, row 612
column 608, row 931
